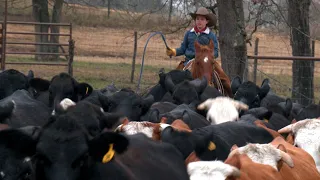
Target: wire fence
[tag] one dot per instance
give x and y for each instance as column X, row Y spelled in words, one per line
column 104, row 55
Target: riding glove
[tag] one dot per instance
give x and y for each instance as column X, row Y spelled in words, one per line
column 171, row 52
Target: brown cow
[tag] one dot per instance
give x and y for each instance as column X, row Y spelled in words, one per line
column 302, row 164
column 277, row 160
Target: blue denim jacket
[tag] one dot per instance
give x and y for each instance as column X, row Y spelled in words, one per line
column 187, row 46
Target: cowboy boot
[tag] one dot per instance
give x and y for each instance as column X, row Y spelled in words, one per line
column 180, row 66
column 224, row 79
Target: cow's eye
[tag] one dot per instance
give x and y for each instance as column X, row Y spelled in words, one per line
column 43, row 160
column 80, row 161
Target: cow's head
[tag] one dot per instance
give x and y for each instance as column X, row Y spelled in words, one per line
column 128, row 103
column 61, row 86
column 185, row 92
column 17, row 148
column 248, row 92
column 64, row 150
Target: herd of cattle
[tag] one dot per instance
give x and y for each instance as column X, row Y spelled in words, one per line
column 180, row 129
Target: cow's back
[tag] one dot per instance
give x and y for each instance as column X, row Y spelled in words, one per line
column 147, row 159
column 225, row 135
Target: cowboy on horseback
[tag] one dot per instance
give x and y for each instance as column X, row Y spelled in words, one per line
column 202, row 34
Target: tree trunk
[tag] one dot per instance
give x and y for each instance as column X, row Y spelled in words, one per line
column 109, row 8
column 170, row 11
column 41, row 14
column 56, row 18
column 232, row 35
column 302, row 71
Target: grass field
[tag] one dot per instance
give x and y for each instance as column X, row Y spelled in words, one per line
column 100, row 74
column 104, row 54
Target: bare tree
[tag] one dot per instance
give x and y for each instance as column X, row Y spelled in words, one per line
column 303, row 71
column 170, row 10
column 56, row 18
column 232, row 37
column 41, row 14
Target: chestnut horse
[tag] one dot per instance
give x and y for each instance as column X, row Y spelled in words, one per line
column 205, row 65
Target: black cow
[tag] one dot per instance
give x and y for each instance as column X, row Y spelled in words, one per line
column 159, row 90
column 91, row 117
column 64, row 150
column 157, row 108
column 271, row 99
column 17, row 147
column 186, row 114
column 128, row 103
column 109, row 89
column 187, row 91
column 12, row 80
column 62, row 86
column 272, row 119
column 248, row 92
column 283, row 109
column 308, row 112
column 21, row 109
column 215, row 141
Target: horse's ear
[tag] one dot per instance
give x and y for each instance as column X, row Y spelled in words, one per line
column 197, row 45
column 211, row 45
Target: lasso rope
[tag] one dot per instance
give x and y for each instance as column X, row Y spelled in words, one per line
column 144, row 51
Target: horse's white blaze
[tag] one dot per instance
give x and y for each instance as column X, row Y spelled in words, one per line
column 206, row 59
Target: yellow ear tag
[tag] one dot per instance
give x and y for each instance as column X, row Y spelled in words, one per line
column 212, row 146
column 87, row 90
column 265, row 120
column 109, row 155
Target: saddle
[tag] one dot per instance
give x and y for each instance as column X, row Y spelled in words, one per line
column 219, row 78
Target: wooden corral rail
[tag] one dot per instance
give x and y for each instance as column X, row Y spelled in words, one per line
column 69, row 55
column 256, row 57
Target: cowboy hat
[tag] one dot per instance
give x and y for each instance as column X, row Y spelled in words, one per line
column 212, row 18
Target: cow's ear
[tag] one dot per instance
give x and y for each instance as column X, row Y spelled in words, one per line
column 39, row 84
column 32, row 131
column 186, row 117
column 288, row 106
column 265, row 88
column 169, row 85
column 84, row 90
column 202, row 86
column 18, row 141
column 154, row 116
column 235, row 84
column 104, row 146
column 146, row 103
column 6, row 109
column 30, row 75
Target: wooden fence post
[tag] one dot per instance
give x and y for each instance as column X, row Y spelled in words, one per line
column 1, row 41
column 313, row 48
column 134, row 55
column 71, row 55
column 255, row 63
